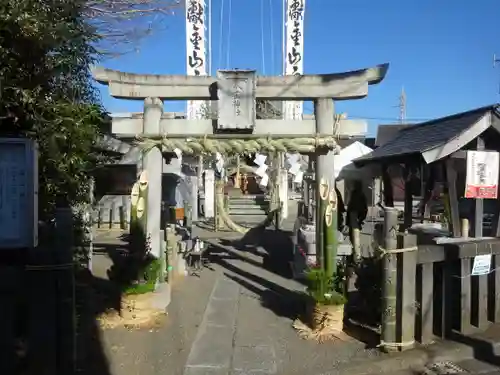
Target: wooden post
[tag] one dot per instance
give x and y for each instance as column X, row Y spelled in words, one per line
column 66, row 292
column 237, row 176
column 452, row 196
column 428, row 189
column 479, row 212
column 111, row 211
column 408, row 208
column 387, row 187
column 425, row 298
column 408, row 278
column 389, row 291
column 153, row 164
column 323, row 112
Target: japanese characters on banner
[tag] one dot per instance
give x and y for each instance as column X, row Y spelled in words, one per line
column 195, row 50
column 482, row 174
column 294, row 58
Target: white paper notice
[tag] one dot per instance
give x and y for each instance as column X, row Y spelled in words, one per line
column 261, row 171
column 482, row 265
column 260, row 159
column 298, row 177
column 294, row 169
column 264, row 180
column 482, row 175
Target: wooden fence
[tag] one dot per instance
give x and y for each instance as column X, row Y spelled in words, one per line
column 428, row 290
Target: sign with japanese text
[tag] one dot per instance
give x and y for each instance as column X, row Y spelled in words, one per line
column 18, row 193
column 195, row 50
column 236, row 91
column 294, row 58
column 482, row 175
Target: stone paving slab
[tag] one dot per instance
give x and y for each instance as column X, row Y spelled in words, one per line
column 261, row 359
column 213, row 347
column 221, row 312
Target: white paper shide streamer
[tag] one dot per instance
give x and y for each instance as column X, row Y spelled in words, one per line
column 196, row 53
column 261, row 171
column 294, row 57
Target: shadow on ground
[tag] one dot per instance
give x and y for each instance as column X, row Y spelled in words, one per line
column 283, row 302
column 39, row 299
column 274, row 246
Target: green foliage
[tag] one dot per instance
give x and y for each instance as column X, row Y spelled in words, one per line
column 150, row 274
column 324, row 289
column 46, row 93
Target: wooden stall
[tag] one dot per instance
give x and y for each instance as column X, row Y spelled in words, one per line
column 446, row 278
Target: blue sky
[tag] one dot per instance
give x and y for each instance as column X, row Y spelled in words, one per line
column 441, row 51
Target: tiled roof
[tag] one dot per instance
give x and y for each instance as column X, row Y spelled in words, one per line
column 386, row 133
column 418, row 138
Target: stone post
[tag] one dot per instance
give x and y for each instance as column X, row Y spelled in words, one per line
column 389, row 279
column 323, row 112
column 464, row 228
column 283, row 192
column 209, row 186
column 153, row 165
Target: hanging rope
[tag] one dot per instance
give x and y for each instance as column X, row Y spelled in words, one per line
column 229, row 35
column 190, row 146
column 221, row 31
column 262, row 43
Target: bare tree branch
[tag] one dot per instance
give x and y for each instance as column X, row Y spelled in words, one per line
column 122, row 24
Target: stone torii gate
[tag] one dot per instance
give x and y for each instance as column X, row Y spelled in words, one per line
column 235, row 93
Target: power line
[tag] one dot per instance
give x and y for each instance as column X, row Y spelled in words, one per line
column 229, row 35
column 377, row 118
column 271, row 17
column 221, row 33
column 263, row 49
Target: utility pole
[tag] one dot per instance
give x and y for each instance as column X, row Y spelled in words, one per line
column 402, row 106
column 496, row 62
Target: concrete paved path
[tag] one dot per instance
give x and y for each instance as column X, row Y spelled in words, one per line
column 247, row 326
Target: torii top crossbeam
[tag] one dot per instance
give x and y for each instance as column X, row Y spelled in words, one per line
column 337, row 86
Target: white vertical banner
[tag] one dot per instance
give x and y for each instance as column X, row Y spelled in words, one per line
column 294, row 55
column 196, row 53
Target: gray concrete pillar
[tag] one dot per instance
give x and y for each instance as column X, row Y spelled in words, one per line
column 153, row 163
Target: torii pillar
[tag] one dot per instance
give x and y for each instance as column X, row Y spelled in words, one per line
column 236, row 92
